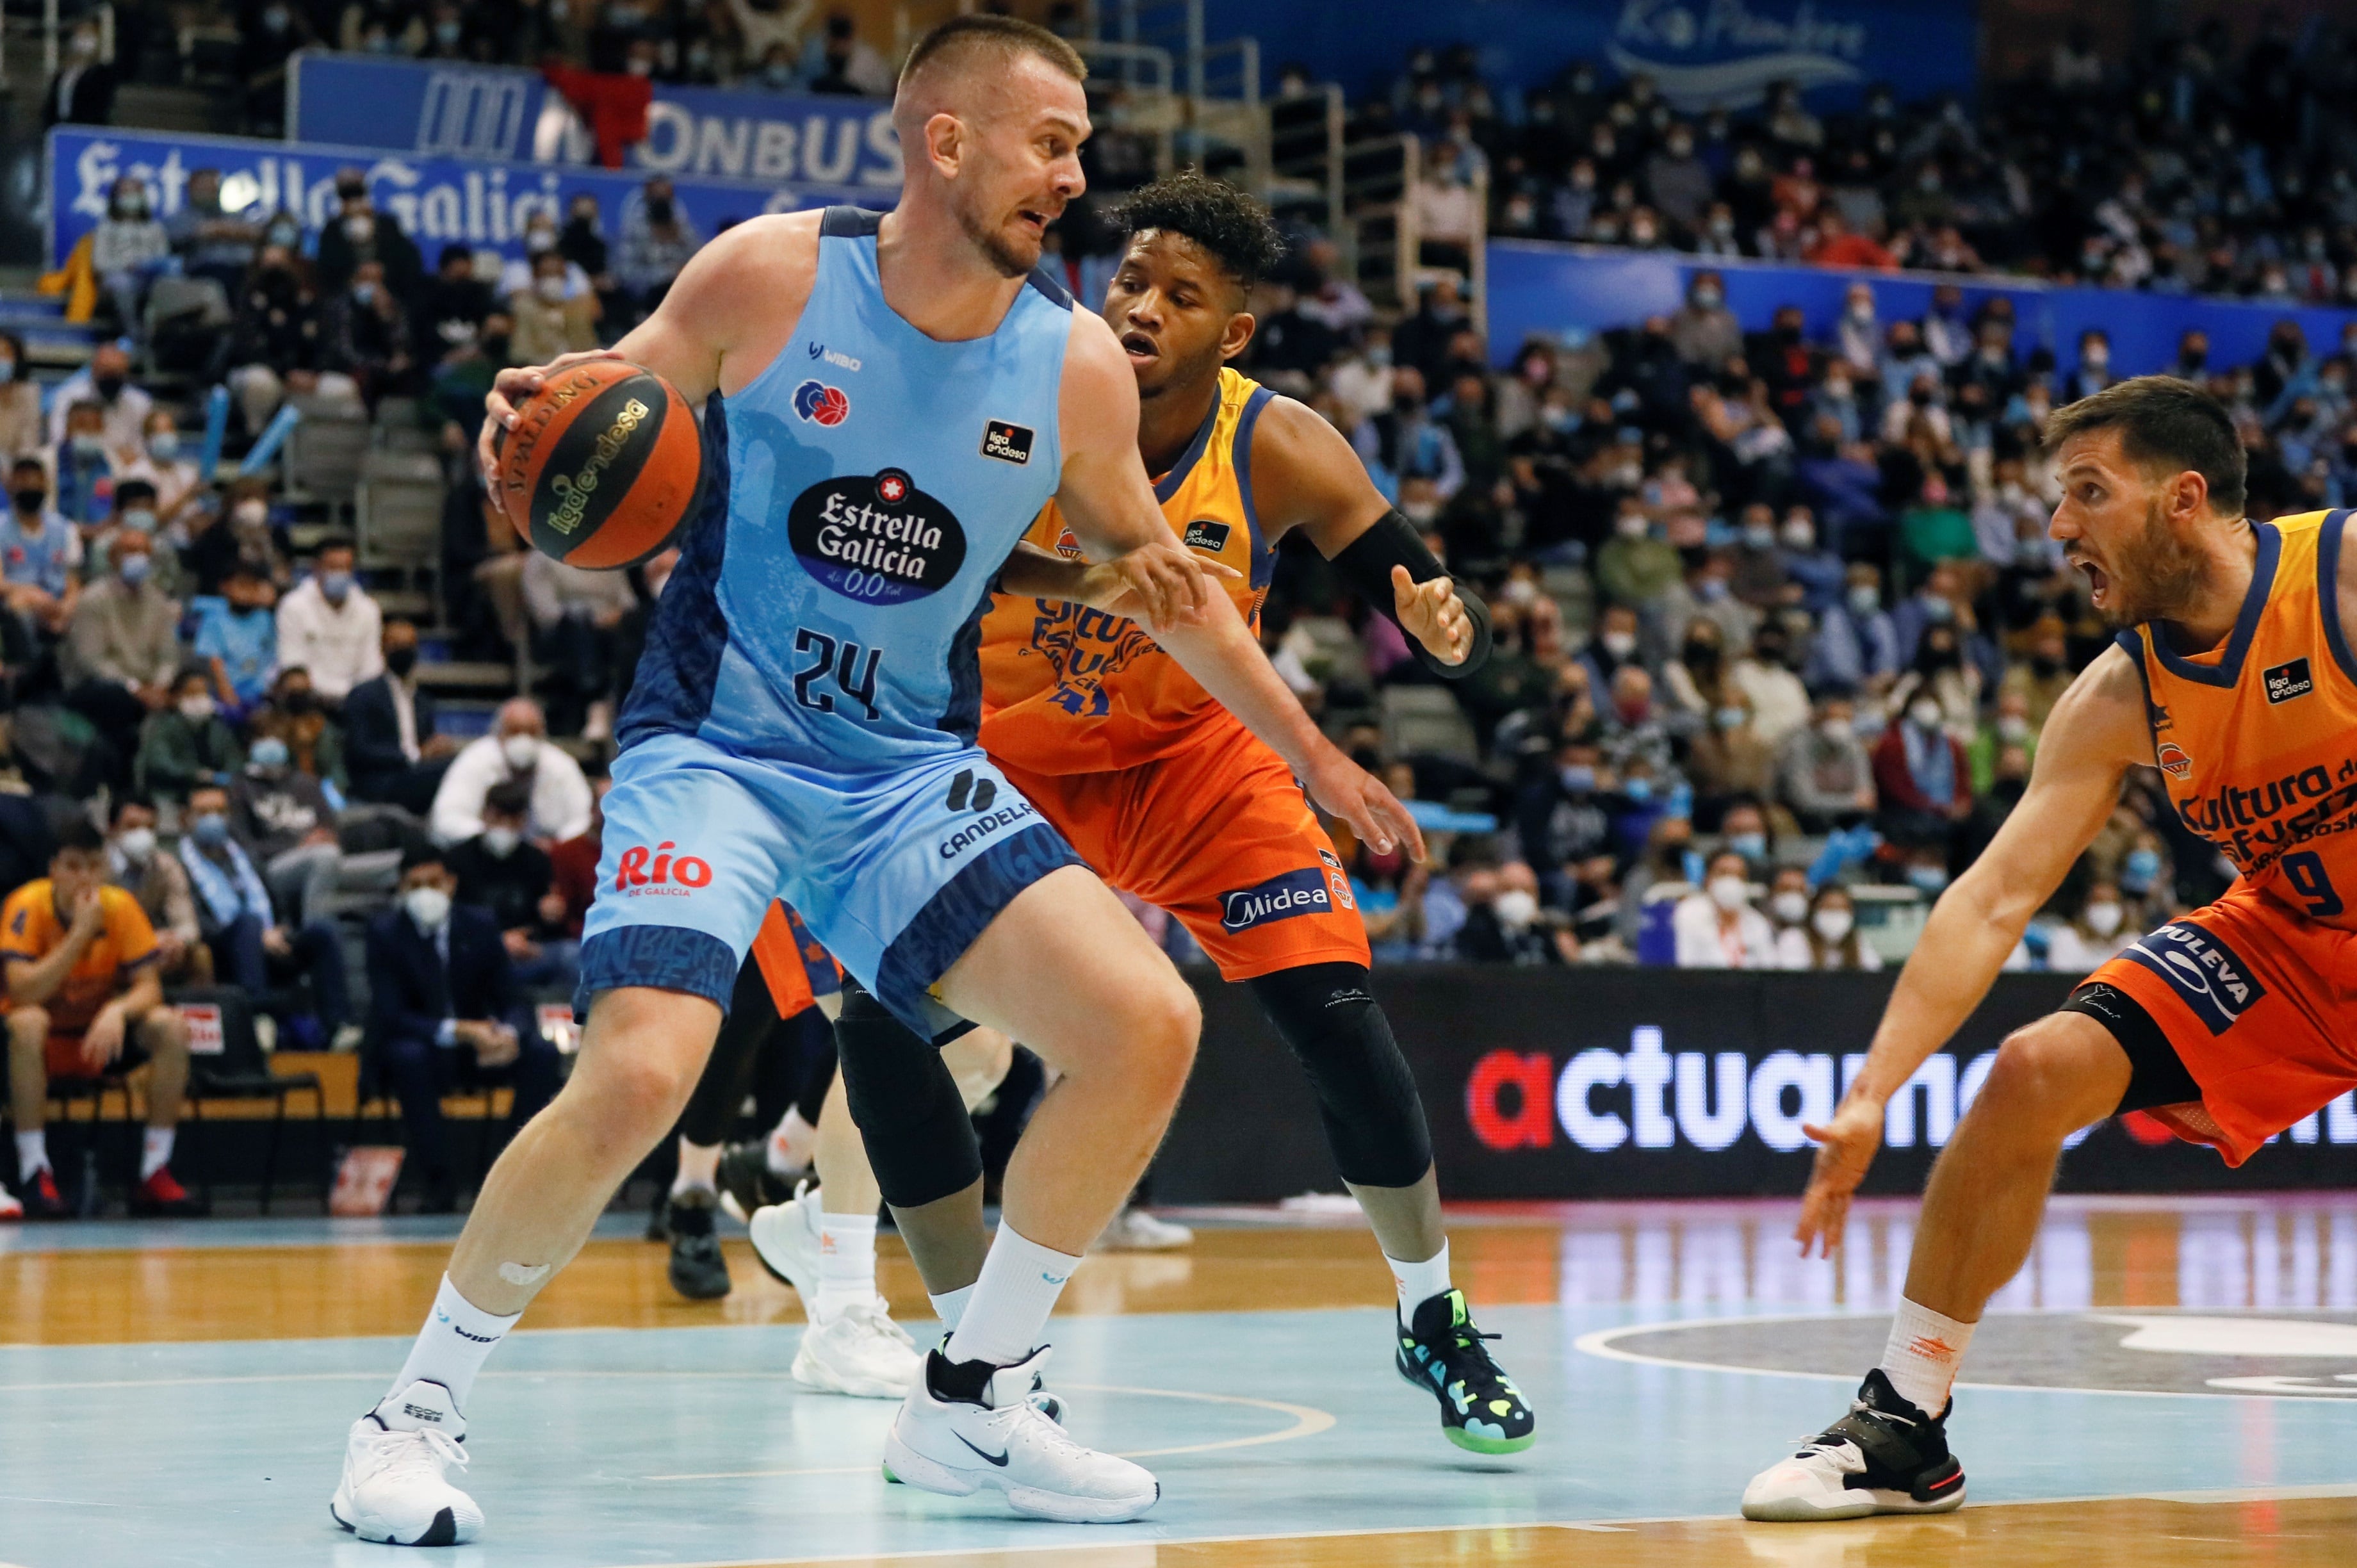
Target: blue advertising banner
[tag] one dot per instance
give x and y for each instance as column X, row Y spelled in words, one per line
column 1702, row 54
column 439, row 201
column 1538, row 289
column 438, row 109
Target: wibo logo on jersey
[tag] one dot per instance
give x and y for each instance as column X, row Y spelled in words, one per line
column 669, row 875
column 820, row 404
column 876, row 538
column 1281, row 897
column 840, row 362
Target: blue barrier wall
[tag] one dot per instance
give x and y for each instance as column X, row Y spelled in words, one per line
column 1537, row 289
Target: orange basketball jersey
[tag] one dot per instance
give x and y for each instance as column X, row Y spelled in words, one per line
column 2257, row 738
column 1067, row 689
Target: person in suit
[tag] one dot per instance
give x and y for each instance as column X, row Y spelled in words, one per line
column 390, row 743
column 82, row 91
column 444, row 1014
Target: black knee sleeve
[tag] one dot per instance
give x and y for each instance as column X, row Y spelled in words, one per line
column 906, row 1100
column 1374, row 1118
column 817, row 1079
column 751, row 1024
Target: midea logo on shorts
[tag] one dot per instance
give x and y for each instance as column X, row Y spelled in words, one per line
column 669, row 876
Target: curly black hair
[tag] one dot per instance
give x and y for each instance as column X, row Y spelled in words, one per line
column 1236, row 229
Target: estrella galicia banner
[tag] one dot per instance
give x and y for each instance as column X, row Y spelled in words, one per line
column 439, row 201
column 429, row 108
column 1556, row 1083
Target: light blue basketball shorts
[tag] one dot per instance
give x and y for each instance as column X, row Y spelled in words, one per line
column 896, row 872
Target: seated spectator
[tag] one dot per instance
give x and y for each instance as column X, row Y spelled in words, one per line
column 161, row 885
column 22, row 429
column 165, row 463
column 1830, row 939
column 251, row 945
column 1764, row 678
column 549, row 321
column 1942, row 672
column 364, row 335
column 2045, row 675
column 1837, row 247
column 1921, row 780
column 500, row 870
column 444, row 1014
column 37, row 562
column 85, row 467
column 82, row 91
column 122, row 405
column 273, row 347
column 1509, row 925
column 1743, row 829
column 133, row 507
column 1788, row 910
column 328, row 625
column 2098, row 933
column 127, row 251
column 122, row 651
column 1934, row 529
column 237, row 640
column 84, row 1001
column 572, row 867
column 1718, row 928
column 657, row 237
column 456, row 303
column 1857, row 646
column 284, row 820
column 186, row 744
column 295, row 715
column 1823, row 774
column 212, row 243
column 517, row 749
column 578, row 620
column 1728, row 758
column 396, row 757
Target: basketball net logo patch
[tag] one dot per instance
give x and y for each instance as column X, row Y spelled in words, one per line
column 820, row 404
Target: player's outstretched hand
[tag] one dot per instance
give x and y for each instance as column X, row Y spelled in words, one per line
column 1163, row 584
column 1434, row 615
column 1846, row 1146
column 512, row 386
column 1360, row 798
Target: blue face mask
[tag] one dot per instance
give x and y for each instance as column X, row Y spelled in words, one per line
column 1750, row 847
column 336, row 585
column 134, row 569
column 1729, row 718
column 269, row 752
column 1864, row 601
column 1926, row 879
column 2141, row 871
column 1637, row 789
column 1577, row 779
column 211, row 828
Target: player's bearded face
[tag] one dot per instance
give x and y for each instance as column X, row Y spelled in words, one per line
column 1025, row 167
column 2155, row 574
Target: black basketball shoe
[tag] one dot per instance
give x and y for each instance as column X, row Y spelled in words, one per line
column 747, row 1183
column 1884, row 1456
column 1442, row 1353
column 698, row 1272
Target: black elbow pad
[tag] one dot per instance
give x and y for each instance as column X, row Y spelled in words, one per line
column 1366, row 564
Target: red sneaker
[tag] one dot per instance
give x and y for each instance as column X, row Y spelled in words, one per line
column 41, row 1199
column 161, row 1197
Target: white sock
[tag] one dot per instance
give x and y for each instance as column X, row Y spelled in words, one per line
column 32, row 1153
column 457, row 1339
column 154, row 1151
column 846, row 1261
column 1008, row 1314
column 699, row 1166
column 791, row 1144
column 1419, row 1283
column 1923, row 1354
column 950, row 1306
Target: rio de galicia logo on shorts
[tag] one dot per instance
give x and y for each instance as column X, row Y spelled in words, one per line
column 820, row 404
column 669, row 875
column 1281, row 897
column 877, row 539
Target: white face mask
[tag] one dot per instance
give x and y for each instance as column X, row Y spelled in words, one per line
column 1620, row 644
column 1790, row 906
column 2102, row 918
column 429, row 906
column 502, row 842
column 196, row 709
column 1516, row 909
column 1923, row 714
column 550, row 288
column 1832, row 925
column 521, row 750
column 1729, row 892
column 136, row 843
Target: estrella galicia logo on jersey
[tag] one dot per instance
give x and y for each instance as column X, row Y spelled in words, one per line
column 1204, row 534
column 2173, row 759
column 1281, row 897
column 2208, row 976
column 820, row 404
column 819, row 350
column 2286, row 681
column 877, row 538
column 1007, row 442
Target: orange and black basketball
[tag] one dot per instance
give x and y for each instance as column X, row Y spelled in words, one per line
column 603, row 466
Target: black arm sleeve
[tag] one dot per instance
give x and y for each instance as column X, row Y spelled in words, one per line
column 1366, row 564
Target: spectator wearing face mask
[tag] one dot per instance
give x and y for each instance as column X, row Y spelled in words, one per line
column 1942, row 672
column 186, row 744
column 1726, row 757
column 122, row 648
column 551, row 318
column 2045, row 675
column 328, row 625
column 122, row 407
column 1921, row 778
column 1828, row 938
column 294, row 714
column 1856, row 645
column 1718, row 928
column 2099, row 932
column 22, row 429
column 2093, row 371
column 127, row 251
column 578, row 620
column 268, row 34
column 1764, row 677
column 286, row 820
column 160, row 883
column 82, row 91
column 1636, row 566
column 1786, row 906
column 237, row 640
column 1705, row 331
column 164, row 463
column 503, row 871
column 657, row 237
column 516, row 748
column 252, row 947
column 364, row 335
column 452, row 307
column 1508, row 926
column 40, row 553
column 1823, row 774
column 273, row 347
column 359, row 233
column 397, row 759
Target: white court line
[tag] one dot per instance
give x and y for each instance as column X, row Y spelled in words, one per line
column 1599, row 1343
column 361, row 1377
column 1308, row 1422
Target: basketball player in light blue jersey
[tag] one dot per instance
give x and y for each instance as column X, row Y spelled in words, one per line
column 888, row 404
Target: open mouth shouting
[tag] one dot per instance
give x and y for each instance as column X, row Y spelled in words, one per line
column 2099, row 582
column 1141, row 349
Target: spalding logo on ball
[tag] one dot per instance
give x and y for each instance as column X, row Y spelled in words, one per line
column 603, row 466
column 820, row 404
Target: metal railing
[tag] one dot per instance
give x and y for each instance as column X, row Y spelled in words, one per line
column 1380, row 233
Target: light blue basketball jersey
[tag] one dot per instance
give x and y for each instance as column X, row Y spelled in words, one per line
column 863, row 491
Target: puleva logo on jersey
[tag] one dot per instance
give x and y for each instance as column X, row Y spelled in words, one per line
column 2207, row 974
column 1281, row 897
column 657, row 872
column 876, row 538
column 820, row 404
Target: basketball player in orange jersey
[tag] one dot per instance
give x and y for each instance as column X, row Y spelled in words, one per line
column 2232, row 675
column 1168, row 797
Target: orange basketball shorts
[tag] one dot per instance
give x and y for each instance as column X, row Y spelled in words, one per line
column 796, row 968
column 1220, row 835
column 2260, row 1004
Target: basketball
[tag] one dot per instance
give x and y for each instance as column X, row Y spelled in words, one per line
column 603, row 466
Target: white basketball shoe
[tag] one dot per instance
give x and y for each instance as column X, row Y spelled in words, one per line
column 394, row 1488
column 786, row 1241
column 859, row 1352
column 1003, row 1440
